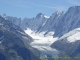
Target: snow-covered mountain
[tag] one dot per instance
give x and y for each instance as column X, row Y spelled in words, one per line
column 69, row 43
column 43, row 43
column 69, row 30
column 58, row 22
column 52, row 22
column 69, row 21
column 60, row 27
column 15, row 20
column 62, row 23
column 34, row 23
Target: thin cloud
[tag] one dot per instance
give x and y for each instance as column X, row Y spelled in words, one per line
column 31, row 4
column 17, row 3
column 73, row 2
column 56, row 7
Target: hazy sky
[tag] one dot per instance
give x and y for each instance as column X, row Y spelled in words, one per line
column 30, row 8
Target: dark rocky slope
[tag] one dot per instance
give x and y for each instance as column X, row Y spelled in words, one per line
column 14, row 43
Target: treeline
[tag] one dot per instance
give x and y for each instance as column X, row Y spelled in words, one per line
column 59, row 58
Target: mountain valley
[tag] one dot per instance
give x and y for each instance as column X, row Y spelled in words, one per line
column 55, row 35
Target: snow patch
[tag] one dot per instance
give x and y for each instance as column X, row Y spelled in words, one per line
column 41, row 42
column 72, row 36
column 46, row 16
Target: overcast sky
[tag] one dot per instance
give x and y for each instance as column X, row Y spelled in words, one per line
column 30, row 8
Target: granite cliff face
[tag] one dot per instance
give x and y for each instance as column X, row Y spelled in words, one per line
column 69, row 32
column 12, row 43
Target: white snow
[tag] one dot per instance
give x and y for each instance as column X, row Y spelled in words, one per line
column 21, row 32
column 72, row 36
column 46, row 16
column 1, row 39
column 39, row 38
column 42, row 42
column 0, row 42
column 43, row 24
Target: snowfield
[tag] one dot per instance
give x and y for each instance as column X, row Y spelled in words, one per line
column 72, row 36
column 42, row 42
